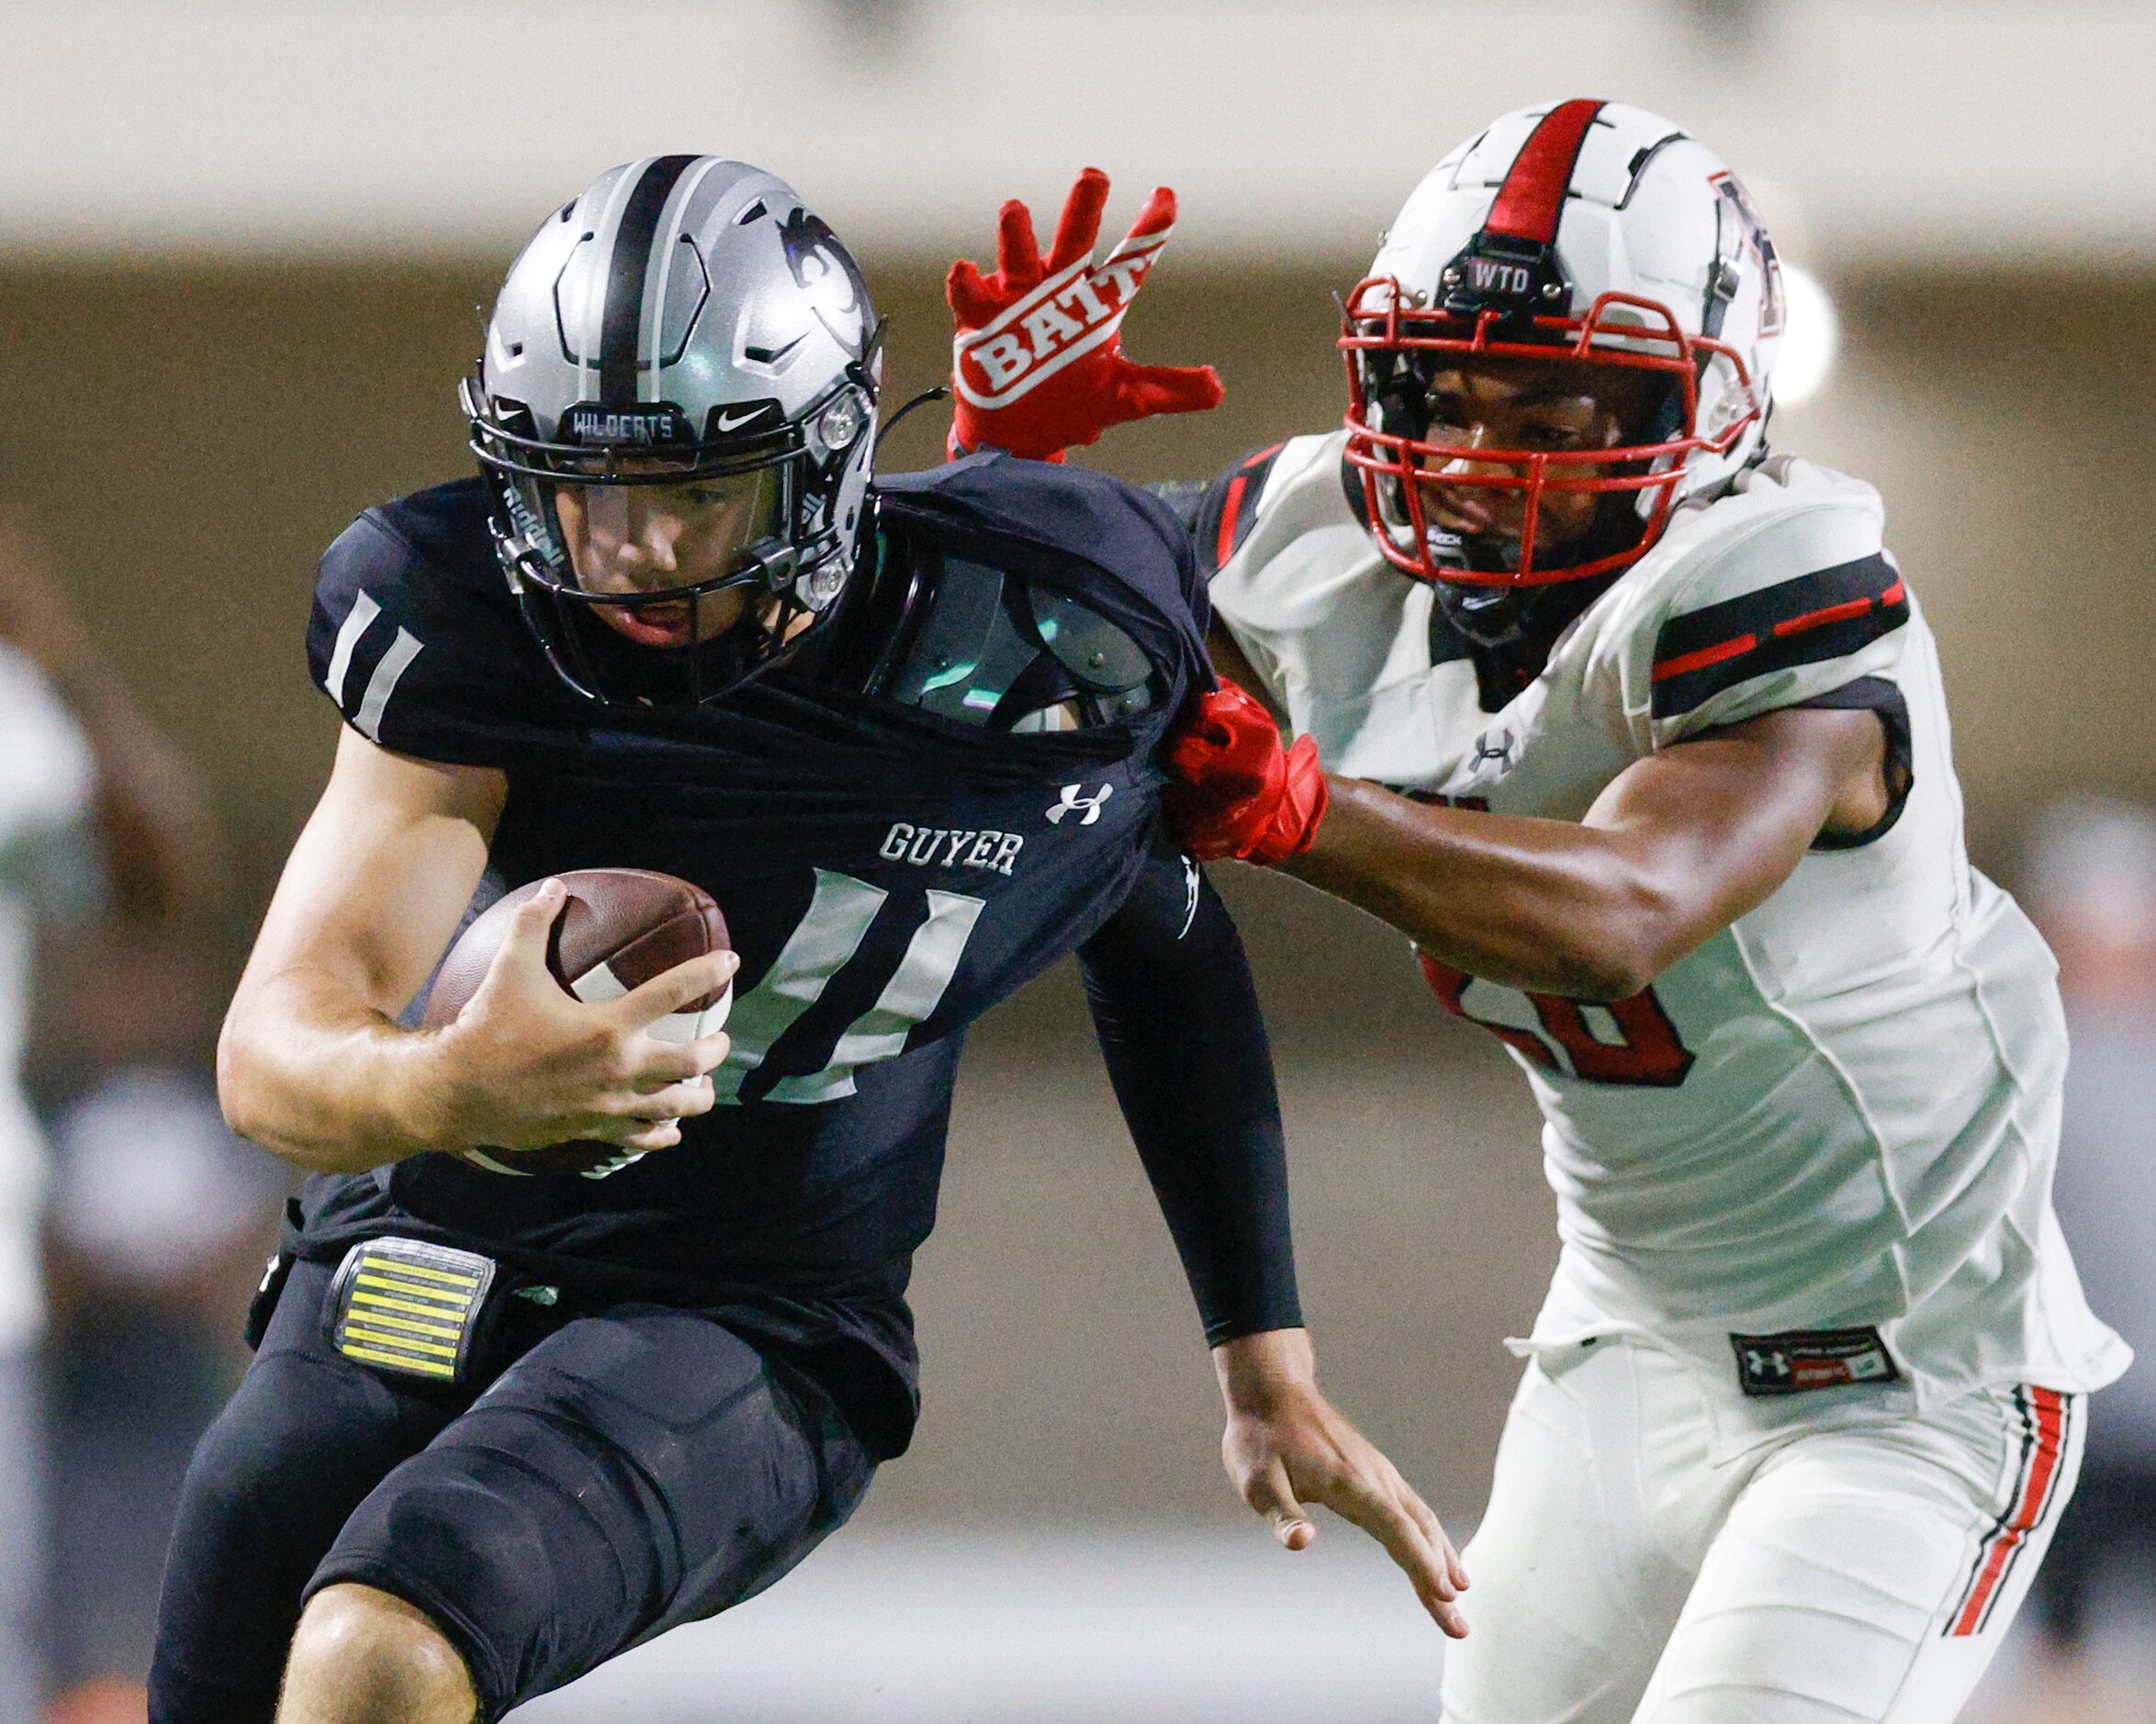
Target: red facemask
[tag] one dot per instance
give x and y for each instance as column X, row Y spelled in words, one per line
column 1389, row 343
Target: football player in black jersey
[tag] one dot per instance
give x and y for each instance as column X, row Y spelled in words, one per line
column 903, row 733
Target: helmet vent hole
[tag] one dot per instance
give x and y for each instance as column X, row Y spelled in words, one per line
column 751, row 213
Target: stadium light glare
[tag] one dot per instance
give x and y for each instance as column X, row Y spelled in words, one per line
column 1810, row 337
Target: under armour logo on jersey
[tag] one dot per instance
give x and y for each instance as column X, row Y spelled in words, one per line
column 1071, row 802
column 1501, row 750
column 1764, row 1364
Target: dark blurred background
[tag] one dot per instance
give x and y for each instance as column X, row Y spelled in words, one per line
column 240, row 318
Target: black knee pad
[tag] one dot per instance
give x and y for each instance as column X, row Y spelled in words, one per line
column 525, row 1557
column 632, row 1473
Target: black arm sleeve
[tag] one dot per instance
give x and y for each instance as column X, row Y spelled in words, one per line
column 1178, row 1021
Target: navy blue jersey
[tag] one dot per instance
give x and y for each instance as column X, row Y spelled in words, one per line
column 887, row 873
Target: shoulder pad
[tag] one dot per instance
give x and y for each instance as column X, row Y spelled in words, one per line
column 1118, row 552
column 1291, row 491
column 1765, row 599
column 985, row 646
column 415, row 636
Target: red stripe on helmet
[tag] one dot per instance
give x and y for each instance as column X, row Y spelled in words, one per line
column 1533, row 197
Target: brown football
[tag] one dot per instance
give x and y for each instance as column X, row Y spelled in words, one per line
column 619, row 928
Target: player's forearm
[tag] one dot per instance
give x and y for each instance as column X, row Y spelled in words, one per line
column 309, row 1072
column 1545, row 905
column 1177, row 1016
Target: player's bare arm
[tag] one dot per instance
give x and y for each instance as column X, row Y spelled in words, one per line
column 1679, row 846
column 312, row 1063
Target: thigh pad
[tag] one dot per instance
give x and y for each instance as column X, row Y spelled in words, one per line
column 637, row 1469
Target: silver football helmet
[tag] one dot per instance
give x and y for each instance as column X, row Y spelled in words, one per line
column 677, row 406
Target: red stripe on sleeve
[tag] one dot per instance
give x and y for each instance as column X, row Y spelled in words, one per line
column 1232, row 503
column 1533, row 197
column 1819, row 619
column 1706, row 656
column 1224, row 547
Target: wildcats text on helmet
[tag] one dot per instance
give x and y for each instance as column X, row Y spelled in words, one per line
column 661, row 423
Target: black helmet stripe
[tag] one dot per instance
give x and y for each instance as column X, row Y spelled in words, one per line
column 626, row 275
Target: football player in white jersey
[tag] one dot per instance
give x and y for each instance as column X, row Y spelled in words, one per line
column 1637, row 729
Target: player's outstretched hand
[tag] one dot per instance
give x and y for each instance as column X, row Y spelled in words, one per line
column 526, row 1064
column 1237, row 791
column 1285, row 1445
column 1037, row 362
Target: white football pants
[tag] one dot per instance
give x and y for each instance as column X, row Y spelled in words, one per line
column 1825, row 1575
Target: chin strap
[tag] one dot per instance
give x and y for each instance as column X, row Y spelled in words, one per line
column 1510, row 634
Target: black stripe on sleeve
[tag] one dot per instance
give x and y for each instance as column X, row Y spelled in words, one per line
column 625, row 275
column 1230, row 509
column 1827, row 614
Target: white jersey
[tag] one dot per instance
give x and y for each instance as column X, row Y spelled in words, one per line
column 1842, row 1111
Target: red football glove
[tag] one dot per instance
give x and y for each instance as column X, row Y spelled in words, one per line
column 1240, row 794
column 1037, row 364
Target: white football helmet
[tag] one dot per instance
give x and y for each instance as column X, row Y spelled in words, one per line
column 1581, row 231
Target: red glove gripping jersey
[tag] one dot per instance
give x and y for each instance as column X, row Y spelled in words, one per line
column 1240, row 793
column 1037, row 362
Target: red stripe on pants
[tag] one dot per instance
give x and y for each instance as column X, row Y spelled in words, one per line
column 2040, row 1474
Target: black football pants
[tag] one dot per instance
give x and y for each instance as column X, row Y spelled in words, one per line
column 634, row 1470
